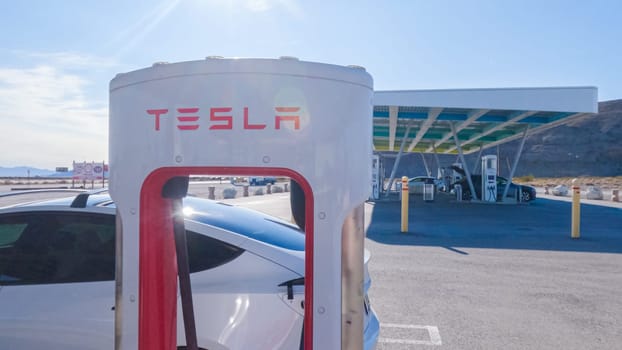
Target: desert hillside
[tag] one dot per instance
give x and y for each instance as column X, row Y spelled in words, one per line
column 587, row 146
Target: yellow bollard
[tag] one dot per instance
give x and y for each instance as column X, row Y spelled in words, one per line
column 404, row 204
column 576, row 212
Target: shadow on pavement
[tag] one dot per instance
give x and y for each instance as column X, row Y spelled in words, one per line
column 542, row 225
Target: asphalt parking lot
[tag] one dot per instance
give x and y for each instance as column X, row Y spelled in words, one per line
column 474, row 276
column 497, row 276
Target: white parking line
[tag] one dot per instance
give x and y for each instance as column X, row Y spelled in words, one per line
column 435, row 336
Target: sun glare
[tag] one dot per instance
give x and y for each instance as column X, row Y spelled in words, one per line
column 290, row 6
column 135, row 33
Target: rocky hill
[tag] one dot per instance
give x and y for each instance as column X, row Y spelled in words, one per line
column 587, row 146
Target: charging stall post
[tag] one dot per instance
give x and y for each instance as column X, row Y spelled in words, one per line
column 308, row 121
column 489, row 178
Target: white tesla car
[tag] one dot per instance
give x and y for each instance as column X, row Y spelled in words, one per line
column 57, row 288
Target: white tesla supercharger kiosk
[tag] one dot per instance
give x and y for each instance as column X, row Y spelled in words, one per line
column 311, row 122
column 489, row 178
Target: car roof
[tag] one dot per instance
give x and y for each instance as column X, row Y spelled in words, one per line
column 243, row 221
column 421, row 177
column 247, row 222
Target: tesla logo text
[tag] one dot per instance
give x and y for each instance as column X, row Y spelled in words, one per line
column 222, row 118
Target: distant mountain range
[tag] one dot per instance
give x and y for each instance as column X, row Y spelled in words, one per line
column 22, row 171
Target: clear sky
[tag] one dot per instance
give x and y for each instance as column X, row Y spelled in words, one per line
column 57, row 57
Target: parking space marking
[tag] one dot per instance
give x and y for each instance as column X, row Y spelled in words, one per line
column 435, row 336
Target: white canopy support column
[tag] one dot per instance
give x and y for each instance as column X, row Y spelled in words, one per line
column 471, row 117
column 433, row 113
column 478, row 159
column 464, row 166
column 425, row 164
column 397, row 160
column 392, row 126
column 513, row 119
column 438, row 163
column 516, row 158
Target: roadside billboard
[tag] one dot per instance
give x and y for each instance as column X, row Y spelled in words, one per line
column 88, row 171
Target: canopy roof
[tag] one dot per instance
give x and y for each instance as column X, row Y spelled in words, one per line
column 481, row 117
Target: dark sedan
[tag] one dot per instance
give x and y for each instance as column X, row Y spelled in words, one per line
column 527, row 193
